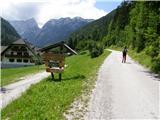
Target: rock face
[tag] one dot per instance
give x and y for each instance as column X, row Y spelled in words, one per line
column 8, row 33
column 54, row 30
column 28, row 29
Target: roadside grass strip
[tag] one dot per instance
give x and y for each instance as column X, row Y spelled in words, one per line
column 50, row 99
column 11, row 75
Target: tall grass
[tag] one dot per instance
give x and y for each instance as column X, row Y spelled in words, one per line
column 142, row 58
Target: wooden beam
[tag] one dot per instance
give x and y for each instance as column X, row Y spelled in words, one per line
column 61, row 44
column 51, row 46
column 70, row 49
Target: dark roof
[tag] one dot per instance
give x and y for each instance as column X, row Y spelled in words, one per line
column 56, row 45
column 17, row 42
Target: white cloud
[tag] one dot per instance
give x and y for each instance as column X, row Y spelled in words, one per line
column 43, row 10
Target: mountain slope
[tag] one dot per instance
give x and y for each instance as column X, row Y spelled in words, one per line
column 95, row 30
column 8, row 33
column 140, row 32
column 28, row 29
column 133, row 24
column 58, row 29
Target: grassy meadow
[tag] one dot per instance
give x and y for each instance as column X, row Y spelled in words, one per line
column 10, row 75
column 141, row 58
column 49, row 99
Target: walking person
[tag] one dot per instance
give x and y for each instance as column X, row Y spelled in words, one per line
column 124, row 54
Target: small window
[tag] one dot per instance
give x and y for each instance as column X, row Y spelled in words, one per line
column 26, row 53
column 19, row 60
column 11, row 60
column 23, row 48
column 25, row 60
column 32, row 61
column 15, row 48
column 12, row 53
column 19, row 53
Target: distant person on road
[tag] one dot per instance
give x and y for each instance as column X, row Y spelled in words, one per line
column 124, row 54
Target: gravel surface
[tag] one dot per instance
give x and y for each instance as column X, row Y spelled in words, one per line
column 11, row 92
column 124, row 91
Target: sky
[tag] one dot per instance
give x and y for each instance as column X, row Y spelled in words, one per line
column 44, row 10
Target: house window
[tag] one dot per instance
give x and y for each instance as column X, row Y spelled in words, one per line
column 19, row 60
column 15, row 48
column 31, row 60
column 26, row 53
column 19, row 53
column 12, row 53
column 23, row 48
column 11, row 60
column 25, row 60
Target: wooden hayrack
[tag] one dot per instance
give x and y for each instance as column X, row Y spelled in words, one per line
column 55, row 62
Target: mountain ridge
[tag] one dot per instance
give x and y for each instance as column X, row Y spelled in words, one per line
column 28, row 29
column 54, row 30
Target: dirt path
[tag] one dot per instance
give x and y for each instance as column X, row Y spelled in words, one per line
column 13, row 91
column 124, row 91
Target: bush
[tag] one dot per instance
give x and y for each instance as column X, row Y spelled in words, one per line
column 83, row 45
column 156, row 64
column 94, row 53
column 95, row 49
column 82, row 52
column 151, row 51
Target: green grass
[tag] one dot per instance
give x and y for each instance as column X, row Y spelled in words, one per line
column 141, row 58
column 10, row 75
column 115, row 48
column 49, row 99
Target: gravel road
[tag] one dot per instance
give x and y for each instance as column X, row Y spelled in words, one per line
column 11, row 92
column 124, row 91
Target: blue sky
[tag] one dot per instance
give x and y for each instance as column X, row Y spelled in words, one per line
column 107, row 5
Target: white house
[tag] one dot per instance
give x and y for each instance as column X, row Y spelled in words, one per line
column 19, row 53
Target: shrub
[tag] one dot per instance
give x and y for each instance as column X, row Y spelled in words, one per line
column 95, row 49
column 156, row 64
column 83, row 45
column 151, row 51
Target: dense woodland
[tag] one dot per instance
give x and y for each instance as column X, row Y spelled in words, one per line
column 133, row 24
column 8, row 33
column 94, row 31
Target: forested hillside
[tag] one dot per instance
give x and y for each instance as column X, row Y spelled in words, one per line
column 139, row 29
column 133, row 24
column 95, row 31
column 8, row 33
